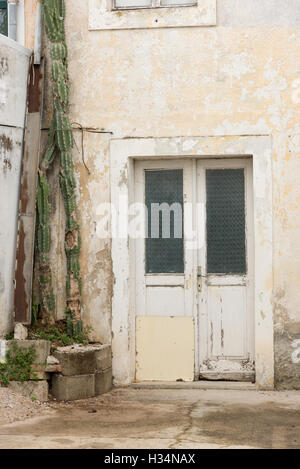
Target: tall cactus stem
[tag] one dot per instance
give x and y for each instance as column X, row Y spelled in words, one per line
column 60, row 142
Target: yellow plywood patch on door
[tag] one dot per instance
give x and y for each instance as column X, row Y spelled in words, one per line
column 164, row 348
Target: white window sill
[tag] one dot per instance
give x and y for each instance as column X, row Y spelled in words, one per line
column 101, row 16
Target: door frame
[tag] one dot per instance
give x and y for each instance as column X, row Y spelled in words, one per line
column 123, row 153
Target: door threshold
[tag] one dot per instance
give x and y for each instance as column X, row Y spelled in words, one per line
column 248, row 376
column 201, row 385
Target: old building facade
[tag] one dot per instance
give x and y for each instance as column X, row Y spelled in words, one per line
column 195, row 104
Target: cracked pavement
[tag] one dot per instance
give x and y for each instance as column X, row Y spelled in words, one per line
column 164, row 418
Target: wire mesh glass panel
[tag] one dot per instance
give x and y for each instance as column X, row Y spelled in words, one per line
column 225, row 223
column 164, row 232
column 3, row 18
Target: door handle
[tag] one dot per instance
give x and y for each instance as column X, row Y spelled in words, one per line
column 199, row 278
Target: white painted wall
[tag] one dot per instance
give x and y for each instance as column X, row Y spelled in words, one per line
column 14, row 62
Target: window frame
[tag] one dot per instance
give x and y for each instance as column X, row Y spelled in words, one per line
column 154, row 4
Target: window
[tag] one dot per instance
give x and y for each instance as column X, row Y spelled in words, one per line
column 134, row 4
column 164, row 202
column 225, row 211
column 3, row 18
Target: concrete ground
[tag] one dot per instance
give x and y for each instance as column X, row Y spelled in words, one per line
column 164, row 418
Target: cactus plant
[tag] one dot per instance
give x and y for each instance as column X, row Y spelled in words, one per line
column 60, row 142
column 43, row 245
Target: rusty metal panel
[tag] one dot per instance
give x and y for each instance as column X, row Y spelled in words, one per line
column 26, row 229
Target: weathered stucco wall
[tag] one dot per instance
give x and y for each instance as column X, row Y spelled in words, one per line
column 286, row 229
column 241, row 77
column 14, row 61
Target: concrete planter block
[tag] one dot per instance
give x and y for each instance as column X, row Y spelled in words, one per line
column 103, row 381
column 71, row 388
column 42, row 348
column 103, row 358
column 81, row 362
column 31, row 389
column 86, row 371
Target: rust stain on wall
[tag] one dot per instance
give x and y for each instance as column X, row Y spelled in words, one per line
column 24, row 198
column 20, row 303
column 6, row 143
column 6, row 165
column 4, row 67
column 34, row 89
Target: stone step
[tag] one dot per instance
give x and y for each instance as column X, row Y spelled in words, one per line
column 231, row 385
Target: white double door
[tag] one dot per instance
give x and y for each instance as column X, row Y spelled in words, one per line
column 196, row 259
